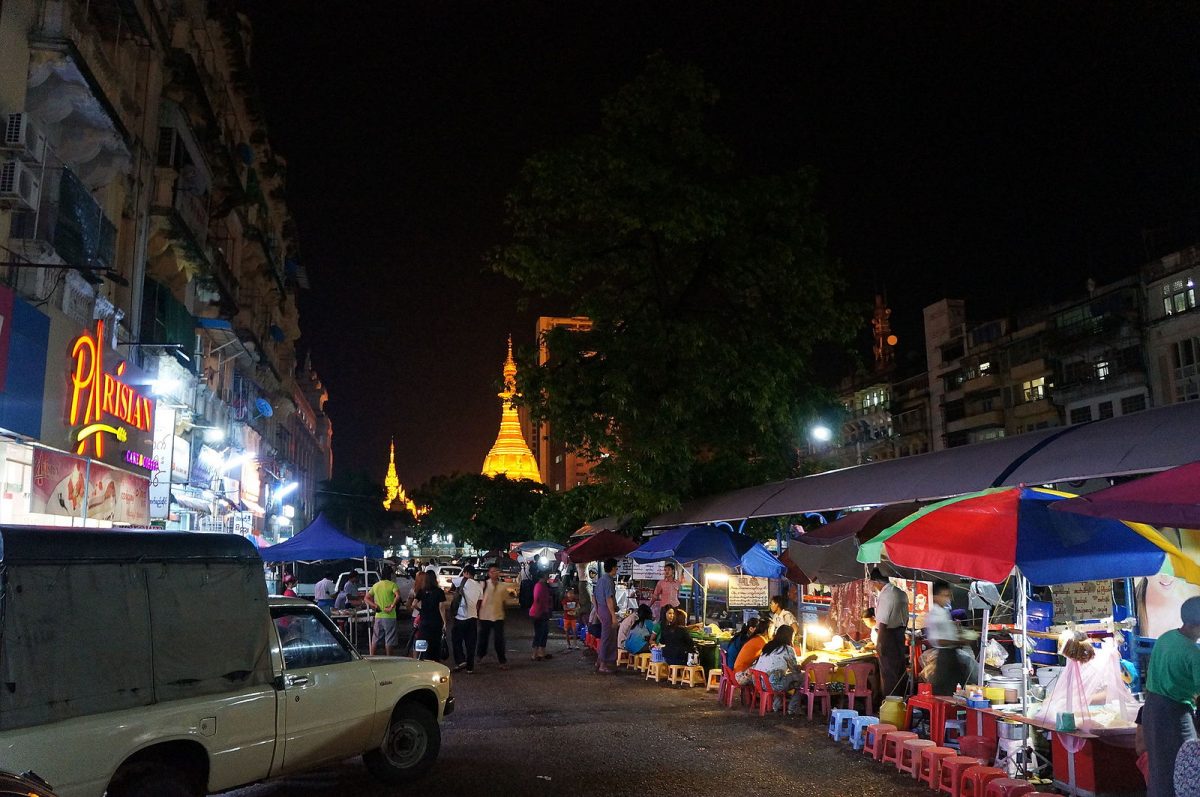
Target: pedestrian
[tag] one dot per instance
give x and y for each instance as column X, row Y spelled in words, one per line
column 429, row 600
column 325, row 591
column 942, row 632
column 605, row 599
column 780, row 616
column 491, row 616
column 540, row 611
column 348, row 598
column 891, row 618
column 570, row 610
column 404, row 585
column 1172, row 684
column 465, row 607
column 666, row 592
column 289, row 586
column 383, row 598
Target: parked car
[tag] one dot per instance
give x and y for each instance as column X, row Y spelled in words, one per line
column 199, row 682
column 446, row 575
column 27, row 784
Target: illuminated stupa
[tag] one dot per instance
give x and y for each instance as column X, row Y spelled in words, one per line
column 395, row 490
column 510, row 455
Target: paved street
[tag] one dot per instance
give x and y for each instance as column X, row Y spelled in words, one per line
column 558, row 727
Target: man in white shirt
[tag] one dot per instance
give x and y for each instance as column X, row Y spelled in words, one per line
column 780, row 617
column 325, row 592
column 466, row 619
column 891, row 617
column 942, row 633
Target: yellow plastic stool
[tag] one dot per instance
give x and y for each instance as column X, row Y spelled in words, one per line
column 714, row 681
column 623, row 657
column 657, row 671
column 641, row 661
column 693, row 675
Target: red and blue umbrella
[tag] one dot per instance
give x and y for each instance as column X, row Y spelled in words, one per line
column 989, row 534
column 710, row 545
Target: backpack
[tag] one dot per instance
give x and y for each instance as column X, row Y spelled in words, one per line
column 526, row 597
column 458, row 599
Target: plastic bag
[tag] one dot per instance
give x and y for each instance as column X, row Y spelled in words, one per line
column 1067, row 703
column 996, row 654
column 1111, row 702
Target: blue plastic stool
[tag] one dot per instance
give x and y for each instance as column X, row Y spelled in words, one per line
column 839, row 723
column 858, row 725
column 960, row 729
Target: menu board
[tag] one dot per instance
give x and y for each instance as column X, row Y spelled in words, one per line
column 1083, row 600
column 748, row 591
column 648, row 571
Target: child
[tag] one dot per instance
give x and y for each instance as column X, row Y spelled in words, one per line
column 570, row 609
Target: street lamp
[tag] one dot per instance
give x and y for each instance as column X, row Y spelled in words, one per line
column 212, row 434
column 820, row 433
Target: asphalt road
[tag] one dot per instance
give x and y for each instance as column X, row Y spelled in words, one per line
column 557, row 727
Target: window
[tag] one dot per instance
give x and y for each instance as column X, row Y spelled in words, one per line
column 981, row 435
column 1106, row 409
column 1186, row 354
column 1034, row 389
column 1179, row 296
column 1131, row 404
column 309, row 639
column 1081, row 415
column 1102, row 369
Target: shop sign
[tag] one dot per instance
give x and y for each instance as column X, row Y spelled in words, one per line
column 748, row 591
column 648, row 571
column 243, row 523
column 160, row 483
column 181, row 460
column 141, row 461
column 1083, row 600
column 67, row 486
column 920, row 594
column 101, row 403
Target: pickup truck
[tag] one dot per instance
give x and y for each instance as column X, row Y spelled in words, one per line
column 153, row 663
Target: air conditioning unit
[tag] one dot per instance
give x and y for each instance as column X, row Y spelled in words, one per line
column 23, row 137
column 19, row 185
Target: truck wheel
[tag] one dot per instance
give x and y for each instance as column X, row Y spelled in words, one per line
column 409, row 747
column 152, row 781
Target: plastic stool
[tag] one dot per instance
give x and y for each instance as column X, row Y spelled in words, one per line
column 858, row 726
column 657, row 670
column 950, row 773
column 873, row 738
column 714, row 680
column 693, row 675
column 893, row 746
column 641, row 661
column 675, row 673
column 623, row 657
column 910, row 755
column 839, row 723
column 958, row 728
column 931, row 762
column 979, row 747
column 1008, row 787
column 976, row 779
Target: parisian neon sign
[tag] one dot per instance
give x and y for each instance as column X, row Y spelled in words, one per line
column 98, row 396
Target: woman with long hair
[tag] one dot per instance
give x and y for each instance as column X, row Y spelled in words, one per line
column 778, row 661
column 430, row 600
column 734, row 646
column 677, row 641
column 641, row 631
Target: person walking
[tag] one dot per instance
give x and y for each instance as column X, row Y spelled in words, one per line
column 891, row 617
column 465, row 607
column 666, row 592
column 491, row 616
column 570, row 614
column 382, row 597
column 540, row 611
column 429, row 599
column 605, row 598
column 942, row 633
column 1172, row 684
column 325, row 591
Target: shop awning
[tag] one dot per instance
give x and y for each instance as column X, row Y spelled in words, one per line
column 1146, row 441
column 190, row 502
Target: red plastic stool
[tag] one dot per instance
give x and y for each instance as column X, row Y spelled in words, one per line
column 931, row 762
column 873, row 736
column 976, row 779
column 1008, row 787
column 979, row 747
column 935, row 709
column 910, row 755
column 893, row 746
column 950, row 773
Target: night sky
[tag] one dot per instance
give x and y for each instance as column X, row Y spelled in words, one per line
column 1001, row 153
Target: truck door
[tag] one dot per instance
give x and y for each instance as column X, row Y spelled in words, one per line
column 328, row 691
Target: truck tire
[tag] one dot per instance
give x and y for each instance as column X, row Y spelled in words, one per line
column 409, row 747
column 152, row 780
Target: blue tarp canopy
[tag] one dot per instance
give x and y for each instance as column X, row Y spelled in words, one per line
column 321, row 540
column 710, row 545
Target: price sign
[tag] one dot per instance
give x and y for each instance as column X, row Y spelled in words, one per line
column 748, row 591
column 649, row 571
column 1083, row 600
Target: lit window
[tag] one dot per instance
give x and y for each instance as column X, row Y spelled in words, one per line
column 1034, row 389
column 1102, row 370
column 985, row 367
column 1179, row 296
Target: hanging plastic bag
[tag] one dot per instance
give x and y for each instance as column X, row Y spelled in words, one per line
column 996, row 655
column 1110, row 701
column 1067, row 705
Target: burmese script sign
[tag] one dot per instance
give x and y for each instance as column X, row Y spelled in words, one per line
column 748, row 590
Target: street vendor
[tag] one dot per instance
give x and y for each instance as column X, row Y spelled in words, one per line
column 891, row 617
column 780, row 616
column 1172, row 684
column 942, row 633
column 666, row 592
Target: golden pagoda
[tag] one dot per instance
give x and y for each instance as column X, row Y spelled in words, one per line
column 395, row 490
column 510, row 455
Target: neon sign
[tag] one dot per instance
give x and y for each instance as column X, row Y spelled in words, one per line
column 97, row 396
column 141, row 460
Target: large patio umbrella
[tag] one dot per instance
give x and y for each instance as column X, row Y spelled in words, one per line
column 710, row 545
column 829, row 554
column 1170, row 498
column 535, row 549
column 601, row 545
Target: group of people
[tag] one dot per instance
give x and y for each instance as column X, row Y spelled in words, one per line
column 470, row 617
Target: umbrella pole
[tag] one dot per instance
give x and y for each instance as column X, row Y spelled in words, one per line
column 1022, row 602
column 983, row 640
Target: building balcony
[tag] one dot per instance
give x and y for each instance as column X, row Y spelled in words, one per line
column 68, row 228
column 977, row 420
column 1089, row 388
column 1030, row 370
column 185, row 209
column 1031, row 409
column 985, row 381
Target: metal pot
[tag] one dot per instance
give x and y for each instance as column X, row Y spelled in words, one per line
column 1015, row 731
